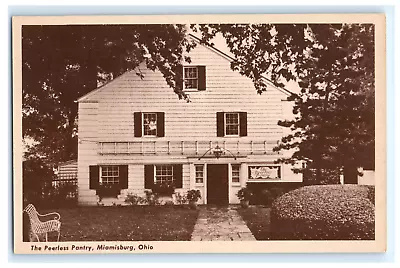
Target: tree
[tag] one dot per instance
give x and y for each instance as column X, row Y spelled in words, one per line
column 332, row 63
column 63, row 62
column 334, row 67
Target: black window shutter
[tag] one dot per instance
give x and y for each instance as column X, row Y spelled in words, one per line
column 123, row 176
column 179, row 77
column 148, row 176
column 220, row 124
column 137, row 118
column 93, row 177
column 202, row 77
column 243, row 123
column 279, row 173
column 160, row 125
column 177, row 169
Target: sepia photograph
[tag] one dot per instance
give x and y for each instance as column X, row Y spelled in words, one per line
column 133, row 135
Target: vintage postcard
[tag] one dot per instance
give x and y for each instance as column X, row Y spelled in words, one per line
column 199, row 134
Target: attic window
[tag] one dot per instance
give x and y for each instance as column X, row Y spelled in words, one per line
column 194, row 78
column 191, row 77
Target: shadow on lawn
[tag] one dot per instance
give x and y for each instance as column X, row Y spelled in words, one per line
column 127, row 223
column 258, row 220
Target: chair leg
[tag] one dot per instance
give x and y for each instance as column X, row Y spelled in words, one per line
column 37, row 237
column 58, row 237
column 46, row 237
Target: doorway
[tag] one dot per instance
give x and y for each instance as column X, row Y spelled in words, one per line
column 217, row 184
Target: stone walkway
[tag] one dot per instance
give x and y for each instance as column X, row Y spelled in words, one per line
column 220, row 224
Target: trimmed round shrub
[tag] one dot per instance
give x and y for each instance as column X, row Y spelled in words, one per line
column 324, row 212
column 371, row 193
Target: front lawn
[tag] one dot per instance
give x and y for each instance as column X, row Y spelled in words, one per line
column 138, row 223
column 257, row 219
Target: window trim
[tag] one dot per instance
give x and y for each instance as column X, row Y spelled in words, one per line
column 195, row 174
column 197, row 78
column 101, row 175
column 155, row 171
column 238, row 124
column 149, row 136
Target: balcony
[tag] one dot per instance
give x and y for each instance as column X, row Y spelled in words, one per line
column 188, row 148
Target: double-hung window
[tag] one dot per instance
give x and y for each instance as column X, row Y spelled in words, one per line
column 235, row 173
column 164, row 174
column 150, row 124
column 194, row 78
column 191, row 78
column 199, row 173
column 231, row 124
column 109, row 175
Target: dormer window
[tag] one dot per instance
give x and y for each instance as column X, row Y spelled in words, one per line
column 194, row 78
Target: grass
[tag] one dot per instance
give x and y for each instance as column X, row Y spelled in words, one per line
column 138, row 223
column 257, row 219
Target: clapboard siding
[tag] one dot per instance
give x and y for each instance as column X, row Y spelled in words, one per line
column 87, row 148
column 226, row 91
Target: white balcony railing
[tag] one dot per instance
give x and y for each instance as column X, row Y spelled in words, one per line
column 186, row 147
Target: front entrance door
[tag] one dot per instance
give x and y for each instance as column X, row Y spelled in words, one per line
column 217, row 184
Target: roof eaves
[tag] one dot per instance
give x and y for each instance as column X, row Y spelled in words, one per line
column 87, row 95
column 226, row 56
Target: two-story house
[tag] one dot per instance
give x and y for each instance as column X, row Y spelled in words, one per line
column 135, row 132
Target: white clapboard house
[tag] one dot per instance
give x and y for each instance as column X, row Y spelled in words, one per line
column 135, row 133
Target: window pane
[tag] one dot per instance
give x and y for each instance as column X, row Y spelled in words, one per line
column 191, row 83
column 232, row 118
column 232, row 130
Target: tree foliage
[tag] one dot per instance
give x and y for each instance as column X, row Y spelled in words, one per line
column 333, row 65
column 63, row 62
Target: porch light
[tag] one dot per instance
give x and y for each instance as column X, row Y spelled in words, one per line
column 218, row 151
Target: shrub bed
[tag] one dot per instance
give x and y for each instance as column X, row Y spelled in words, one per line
column 61, row 196
column 324, row 212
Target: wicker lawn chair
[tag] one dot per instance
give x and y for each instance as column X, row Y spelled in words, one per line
column 43, row 227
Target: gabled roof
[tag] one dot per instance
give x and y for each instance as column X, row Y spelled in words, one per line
column 212, row 48
column 226, row 56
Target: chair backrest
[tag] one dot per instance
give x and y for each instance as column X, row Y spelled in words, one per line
column 32, row 213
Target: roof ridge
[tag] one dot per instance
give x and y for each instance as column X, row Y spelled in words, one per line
column 228, row 57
